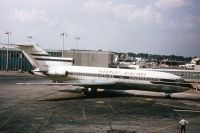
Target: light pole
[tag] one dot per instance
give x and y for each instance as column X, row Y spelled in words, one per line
column 8, row 33
column 77, row 39
column 63, row 35
column 21, row 61
column 29, row 38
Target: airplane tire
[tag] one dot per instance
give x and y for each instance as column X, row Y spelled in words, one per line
column 168, row 96
column 84, row 91
column 93, row 91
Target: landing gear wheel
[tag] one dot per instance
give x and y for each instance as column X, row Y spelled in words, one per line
column 93, row 91
column 168, row 96
column 84, row 91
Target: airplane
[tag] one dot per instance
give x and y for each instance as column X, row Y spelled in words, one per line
column 63, row 72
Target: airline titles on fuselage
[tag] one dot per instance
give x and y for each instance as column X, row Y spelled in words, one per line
column 115, row 72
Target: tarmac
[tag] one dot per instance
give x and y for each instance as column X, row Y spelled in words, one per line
column 58, row 109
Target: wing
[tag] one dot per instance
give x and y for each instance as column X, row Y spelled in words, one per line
column 85, row 85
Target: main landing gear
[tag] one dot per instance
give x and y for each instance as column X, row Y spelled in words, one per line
column 168, row 96
column 84, row 91
column 93, row 91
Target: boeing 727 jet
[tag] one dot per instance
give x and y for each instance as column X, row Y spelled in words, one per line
column 64, row 72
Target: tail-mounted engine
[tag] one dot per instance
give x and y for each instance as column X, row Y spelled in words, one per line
column 56, row 73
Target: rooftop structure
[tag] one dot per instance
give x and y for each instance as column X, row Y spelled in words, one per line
column 93, row 58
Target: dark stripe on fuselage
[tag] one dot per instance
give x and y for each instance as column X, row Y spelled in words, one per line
column 40, row 54
column 45, row 59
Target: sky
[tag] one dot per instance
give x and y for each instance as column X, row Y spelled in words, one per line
column 163, row 27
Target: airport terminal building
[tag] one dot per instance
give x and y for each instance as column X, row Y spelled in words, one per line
column 17, row 61
column 94, row 58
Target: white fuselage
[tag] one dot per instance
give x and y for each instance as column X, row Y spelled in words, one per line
column 81, row 72
column 125, row 79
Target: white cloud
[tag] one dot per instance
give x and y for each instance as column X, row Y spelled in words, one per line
column 173, row 25
column 97, row 7
column 165, row 4
column 128, row 12
column 188, row 22
column 123, row 11
column 32, row 16
column 131, row 13
column 191, row 21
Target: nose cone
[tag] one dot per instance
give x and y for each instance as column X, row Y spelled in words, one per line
column 165, row 75
column 173, row 76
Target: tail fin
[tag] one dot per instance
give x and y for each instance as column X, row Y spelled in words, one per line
column 30, row 51
column 40, row 58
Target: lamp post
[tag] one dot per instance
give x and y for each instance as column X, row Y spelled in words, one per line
column 63, row 36
column 8, row 33
column 20, row 56
column 77, row 39
column 29, row 38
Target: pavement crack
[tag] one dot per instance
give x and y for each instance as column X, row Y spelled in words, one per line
column 84, row 115
column 111, row 107
column 6, row 121
column 45, row 122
